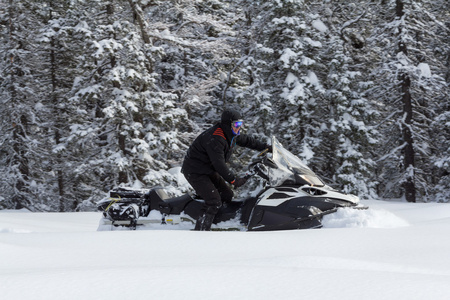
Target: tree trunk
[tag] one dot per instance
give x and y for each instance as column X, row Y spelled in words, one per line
column 123, row 178
column 57, row 126
column 405, row 84
column 19, row 124
column 19, row 159
column 410, row 189
column 138, row 15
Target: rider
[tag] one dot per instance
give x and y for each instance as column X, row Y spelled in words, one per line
column 205, row 164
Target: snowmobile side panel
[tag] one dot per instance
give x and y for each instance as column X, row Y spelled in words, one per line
column 228, row 211
column 194, row 209
column 297, row 213
column 247, row 209
column 266, row 220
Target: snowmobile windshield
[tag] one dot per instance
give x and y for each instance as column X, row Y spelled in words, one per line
column 291, row 170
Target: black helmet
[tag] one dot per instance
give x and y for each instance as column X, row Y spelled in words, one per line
column 230, row 115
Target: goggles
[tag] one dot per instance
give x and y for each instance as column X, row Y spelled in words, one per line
column 237, row 123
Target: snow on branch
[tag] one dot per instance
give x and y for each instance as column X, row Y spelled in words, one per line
column 391, row 152
column 350, row 23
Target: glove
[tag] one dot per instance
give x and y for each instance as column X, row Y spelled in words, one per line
column 269, row 148
column 240, row 181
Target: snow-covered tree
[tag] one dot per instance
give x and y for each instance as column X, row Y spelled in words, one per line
column 409, row 87
column 96, row 94
column 347, row 132
column 14, row 120
column 126, row 126
column 280, row 71
column 301, row 85
column 24, row 88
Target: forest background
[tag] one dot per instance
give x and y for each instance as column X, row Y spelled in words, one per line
column 96, row 94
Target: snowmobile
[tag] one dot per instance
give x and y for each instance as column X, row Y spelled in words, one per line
column 292, row 197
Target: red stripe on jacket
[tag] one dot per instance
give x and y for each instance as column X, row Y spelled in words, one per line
column 219, row 132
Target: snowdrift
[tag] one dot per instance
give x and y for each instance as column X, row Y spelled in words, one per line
column 393, row 250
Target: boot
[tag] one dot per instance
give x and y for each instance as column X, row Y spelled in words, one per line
column 199, row 222
column 204, row 222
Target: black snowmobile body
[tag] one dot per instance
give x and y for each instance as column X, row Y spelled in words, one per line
column 293, row 198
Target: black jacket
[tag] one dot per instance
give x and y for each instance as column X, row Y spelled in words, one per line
column 213, row 148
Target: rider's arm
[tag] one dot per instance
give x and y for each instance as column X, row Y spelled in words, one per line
column 250, row 142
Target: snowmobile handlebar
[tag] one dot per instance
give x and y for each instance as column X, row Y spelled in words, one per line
column 259, row 166
column 264, row 152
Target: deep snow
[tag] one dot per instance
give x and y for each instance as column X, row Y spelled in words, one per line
column 394, row 250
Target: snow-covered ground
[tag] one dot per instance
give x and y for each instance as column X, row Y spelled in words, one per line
column 394, row 250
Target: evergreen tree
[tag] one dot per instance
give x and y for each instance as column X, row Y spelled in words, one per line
column 57, row 44
column 15, row 115
column 280, row 70
column 300, row 77
column 20, row 88
column 96, row 94
column 438, row 177
column 347, row 131
column 410, row 100
column 130, row 120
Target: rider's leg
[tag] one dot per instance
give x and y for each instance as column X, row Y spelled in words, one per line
column 206, row 189
column 225, row 192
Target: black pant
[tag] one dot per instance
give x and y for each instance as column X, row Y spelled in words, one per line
column 211, row 188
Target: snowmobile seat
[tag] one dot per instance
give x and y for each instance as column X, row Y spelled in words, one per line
column 178, row 204
column 155, row 199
